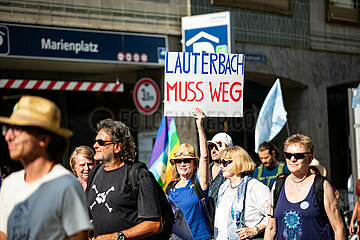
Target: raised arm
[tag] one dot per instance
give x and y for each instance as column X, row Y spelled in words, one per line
column 333, row 211
column 203, row 172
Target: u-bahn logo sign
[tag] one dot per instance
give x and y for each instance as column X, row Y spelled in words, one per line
column 146, row 96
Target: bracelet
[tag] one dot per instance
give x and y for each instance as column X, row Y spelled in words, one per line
column 257, row 229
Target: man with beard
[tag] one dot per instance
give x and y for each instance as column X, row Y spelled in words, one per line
column 270, row 167
column 115, row 212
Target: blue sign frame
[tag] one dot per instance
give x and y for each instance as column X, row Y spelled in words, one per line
column 39, row 42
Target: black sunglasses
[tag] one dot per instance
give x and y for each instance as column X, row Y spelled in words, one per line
column 297, row 156
column 102, row 142
column 225, row 163
column 185, row 160
column 211, row 146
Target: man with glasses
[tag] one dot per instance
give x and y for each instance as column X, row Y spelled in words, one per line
column 270, row 167
column 44, row 200
column 219, row 142
column 115, row 212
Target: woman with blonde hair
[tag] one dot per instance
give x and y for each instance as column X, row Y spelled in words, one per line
column 81, row 162
column 243, row 202
column 189, row 170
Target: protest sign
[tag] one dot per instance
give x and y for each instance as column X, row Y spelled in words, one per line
column 213, row 82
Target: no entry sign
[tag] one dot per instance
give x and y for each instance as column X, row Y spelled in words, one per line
column 146, row 96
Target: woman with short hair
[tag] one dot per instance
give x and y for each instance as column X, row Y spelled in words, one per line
column 297, row 214
column 243, row 202
column 81, row 162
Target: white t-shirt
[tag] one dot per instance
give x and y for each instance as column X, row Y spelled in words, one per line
column 52, row 207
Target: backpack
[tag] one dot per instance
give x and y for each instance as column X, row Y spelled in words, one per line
column 132, row 187
column 260, row 171
column 319, row 197
column 201, row 196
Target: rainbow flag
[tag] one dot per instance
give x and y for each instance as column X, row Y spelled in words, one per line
column 166, row 144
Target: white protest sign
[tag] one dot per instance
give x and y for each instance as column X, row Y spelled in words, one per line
column 213, row 82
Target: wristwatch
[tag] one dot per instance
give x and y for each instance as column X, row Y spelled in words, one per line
column 120, row 236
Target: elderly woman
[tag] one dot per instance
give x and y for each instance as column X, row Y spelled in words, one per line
column 243, row 202
column 81, row 162
column 189, row 168
column 296, row 214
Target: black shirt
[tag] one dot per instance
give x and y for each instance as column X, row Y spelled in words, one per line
column 114, row 210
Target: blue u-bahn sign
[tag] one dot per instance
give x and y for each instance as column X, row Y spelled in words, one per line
column 209, row 33
column 25, row 41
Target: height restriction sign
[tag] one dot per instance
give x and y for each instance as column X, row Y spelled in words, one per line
column 146, row 96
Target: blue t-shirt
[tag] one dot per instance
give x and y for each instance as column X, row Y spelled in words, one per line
column 301, row 220
column 268, row 176
column 193, row 209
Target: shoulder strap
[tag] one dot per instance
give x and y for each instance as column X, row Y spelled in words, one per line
column 169, row 187
column 132, row 180
column 279, row 183
column 91, row 176
column 319, row 192
column 260, row 171
column 281, row 168
column 242, row 214
column 198, row 190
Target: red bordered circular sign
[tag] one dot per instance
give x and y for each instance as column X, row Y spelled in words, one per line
column 146, row 96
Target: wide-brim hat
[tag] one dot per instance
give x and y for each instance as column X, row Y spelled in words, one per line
column 319, row 167
column 185, row 150
column 38, row 112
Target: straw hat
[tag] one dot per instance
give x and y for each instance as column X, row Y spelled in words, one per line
column 37, row 112
column 319, row 167
column 185, row 150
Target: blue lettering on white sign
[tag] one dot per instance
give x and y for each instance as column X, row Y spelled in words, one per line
column 215, row 64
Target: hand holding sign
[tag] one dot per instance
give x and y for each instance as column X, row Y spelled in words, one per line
column 199, row 115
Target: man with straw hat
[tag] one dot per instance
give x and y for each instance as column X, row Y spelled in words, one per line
column 44, row 200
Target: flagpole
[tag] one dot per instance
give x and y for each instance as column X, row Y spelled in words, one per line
column 287, row 128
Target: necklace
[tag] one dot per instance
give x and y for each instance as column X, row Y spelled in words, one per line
column 300, row 181
column 234, row 186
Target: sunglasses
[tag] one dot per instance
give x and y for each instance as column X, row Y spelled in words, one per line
column 296, row 155
column 16, row 130
column 211, row 146
column 186, row 161
column 103, row 143
column 225, row 162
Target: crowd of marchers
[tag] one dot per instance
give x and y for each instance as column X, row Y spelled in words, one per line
column 218, row 194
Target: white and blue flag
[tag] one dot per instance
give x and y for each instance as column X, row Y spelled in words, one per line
column 272, row 116
column 356, row 98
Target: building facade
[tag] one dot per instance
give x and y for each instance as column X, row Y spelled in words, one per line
column 313, row 47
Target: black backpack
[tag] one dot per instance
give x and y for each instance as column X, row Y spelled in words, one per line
column 201, row 196
column 319, row 197
column 132, row 187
